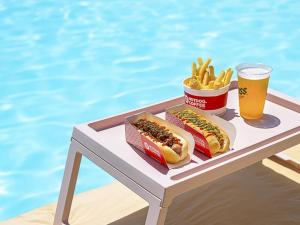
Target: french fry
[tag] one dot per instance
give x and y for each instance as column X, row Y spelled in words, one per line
column 208, row 79
column 228, row 77
column 195, row 84
column 194, row 69
column 211, row 84
column 226, row 72
column 206, row 87
column 205, row 78
column 222, row 84
column 211, row 72
column 203, row 69
column 199, row 77
column 220, row 77
column 217, row 84
column 200, row 62
column 187, row 81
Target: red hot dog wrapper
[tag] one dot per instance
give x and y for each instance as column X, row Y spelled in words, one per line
column 212, row 101
column 134, row 138
column 201, row 143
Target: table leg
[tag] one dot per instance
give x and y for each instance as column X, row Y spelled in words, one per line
column 68, row 186
column 156, row 215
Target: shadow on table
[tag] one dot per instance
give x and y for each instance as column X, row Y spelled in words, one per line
column 230, row 114
column 254, row 192
column 266, row 122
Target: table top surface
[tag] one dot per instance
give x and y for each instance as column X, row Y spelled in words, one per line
column 110, row 144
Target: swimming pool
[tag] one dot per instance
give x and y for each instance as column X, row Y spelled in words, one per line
column 67, row 62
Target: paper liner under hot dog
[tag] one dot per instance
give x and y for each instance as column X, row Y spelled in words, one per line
column 134, row 137
column 201, row 143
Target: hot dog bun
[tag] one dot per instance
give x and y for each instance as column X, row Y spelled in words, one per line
column 175, row 150
column 170, row 155
column 217, row 138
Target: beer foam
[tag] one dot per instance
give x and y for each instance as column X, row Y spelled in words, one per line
column 254, row 72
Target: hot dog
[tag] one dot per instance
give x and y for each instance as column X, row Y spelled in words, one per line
column 217, row 138
column 173, row 146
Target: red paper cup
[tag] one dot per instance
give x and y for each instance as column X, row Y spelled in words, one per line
column 212, row 101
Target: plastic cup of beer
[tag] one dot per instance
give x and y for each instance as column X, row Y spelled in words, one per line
column 253, row 82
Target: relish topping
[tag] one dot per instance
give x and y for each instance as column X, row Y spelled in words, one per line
column 159, row 133
column 194, row 118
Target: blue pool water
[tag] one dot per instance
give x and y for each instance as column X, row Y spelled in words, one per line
column 67, row 62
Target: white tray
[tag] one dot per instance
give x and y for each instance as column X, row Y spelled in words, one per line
column 103, row 142
column 279, row 129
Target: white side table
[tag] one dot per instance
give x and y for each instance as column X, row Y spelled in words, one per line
column 103, row 142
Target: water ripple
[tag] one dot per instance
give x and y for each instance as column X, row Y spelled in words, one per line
column 67, row 62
